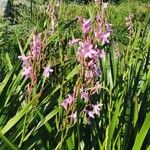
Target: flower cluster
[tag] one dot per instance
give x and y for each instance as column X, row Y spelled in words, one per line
column 27, row 68
column 88, row 56
column 47, row 71
column 36, row 46
column 96, row 35
column 95, row 110
column 31, row 62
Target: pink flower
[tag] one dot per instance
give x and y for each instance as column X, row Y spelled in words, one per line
column 91, row 63
column 26, row 71
column 102, row 37
column 65, row 105
column 74, row 41
column 84, row 94
column 24, row 59
column 47, row 71
column 91, row 114
column 86, row 26
column 96, row 109
column 68, row 101
column 86, row 49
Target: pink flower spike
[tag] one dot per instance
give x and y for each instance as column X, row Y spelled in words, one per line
column 47, row 71
column 36, row 45
column 86, row 26
column 36, row 42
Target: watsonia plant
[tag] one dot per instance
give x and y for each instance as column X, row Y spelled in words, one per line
column 108, row 105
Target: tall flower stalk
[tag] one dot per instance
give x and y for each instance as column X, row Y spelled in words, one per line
column 32, row 65
column 91, row 48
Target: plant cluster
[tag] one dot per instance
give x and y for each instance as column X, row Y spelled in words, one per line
column 79, row 85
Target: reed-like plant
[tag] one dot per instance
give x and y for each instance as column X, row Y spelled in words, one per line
column 108, row 82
